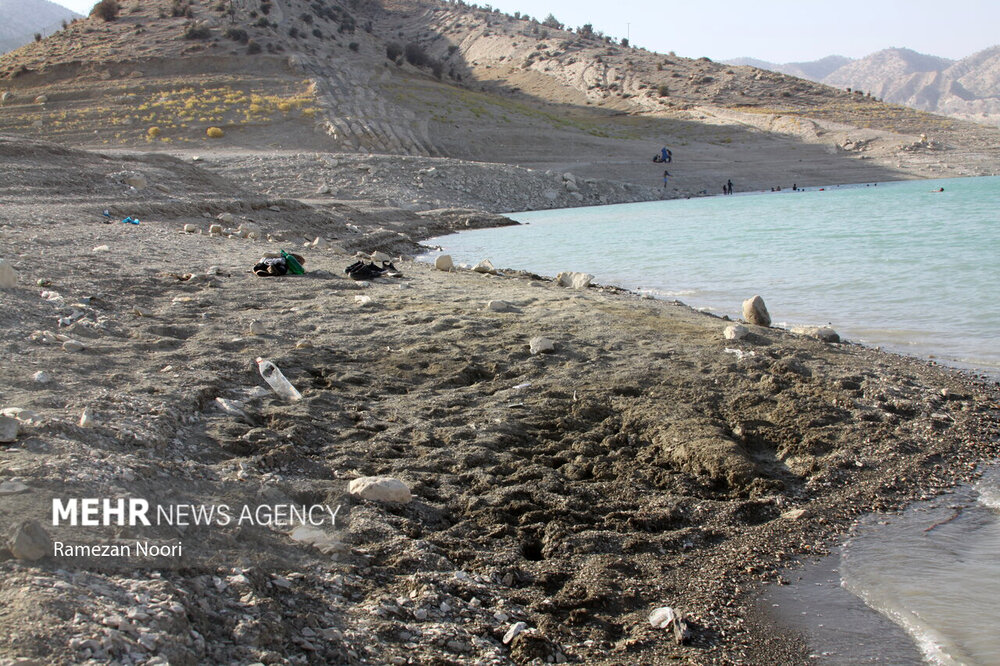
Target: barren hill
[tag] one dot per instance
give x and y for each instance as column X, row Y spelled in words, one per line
column 435, row 79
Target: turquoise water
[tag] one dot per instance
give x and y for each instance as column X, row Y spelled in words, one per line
column 894, row 265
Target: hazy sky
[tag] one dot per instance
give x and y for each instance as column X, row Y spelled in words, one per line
column 775, row 30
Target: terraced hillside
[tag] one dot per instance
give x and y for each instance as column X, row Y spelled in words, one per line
column 425, row 78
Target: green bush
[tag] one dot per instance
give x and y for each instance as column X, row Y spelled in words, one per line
column 196, row 31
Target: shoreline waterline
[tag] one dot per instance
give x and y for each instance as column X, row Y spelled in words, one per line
column 915, row 284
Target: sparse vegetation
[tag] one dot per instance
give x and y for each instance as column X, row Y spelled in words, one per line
column 552, row 22
column 253, row 48
column 393, row 50
column 415, row 54
column 663, row 91
column 107, row 10
column 197, row 31
column 214, row 133
column 353, row 46
column 237, row 35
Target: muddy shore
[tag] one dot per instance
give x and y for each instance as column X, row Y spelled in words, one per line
column 638, row 464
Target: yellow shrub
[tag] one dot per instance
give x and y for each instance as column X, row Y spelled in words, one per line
column 153, row 132
column 214, row 133
column 285, row 106
column 309, row 113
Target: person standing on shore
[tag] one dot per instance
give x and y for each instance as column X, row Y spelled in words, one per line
column 729, row 186
column 666, row 175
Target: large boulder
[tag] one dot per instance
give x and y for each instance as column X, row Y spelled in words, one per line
column 755, row 312
column 444, row 263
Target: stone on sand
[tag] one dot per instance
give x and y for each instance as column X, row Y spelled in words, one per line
column 190, row 228
column 8, row 429
column 735, row 332
column 539, row 345
column 8, row 276
column 574, row 280
column 485, row 266
column 500, row 306
column 824, row 333
column 29, row 541
column 755, row 312
column 380, row 489
column 444, row 263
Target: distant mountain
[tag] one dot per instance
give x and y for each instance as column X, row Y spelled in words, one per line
column 21, row 19
column 967, row 88
column 813, row 71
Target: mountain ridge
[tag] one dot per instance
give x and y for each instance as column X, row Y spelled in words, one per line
column 968, row 88
column 20, row 20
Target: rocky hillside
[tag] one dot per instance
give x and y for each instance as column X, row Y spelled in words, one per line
column 967, row 88
column 20, row 20
column 436, row 79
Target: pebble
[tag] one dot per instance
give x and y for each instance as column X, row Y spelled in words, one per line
column 257, row 327
column 101, row 248
column 514, row 630
column 9, row 429
column 41, row 377
column 362, row 300
column 8, row 276
column 500, row 306
column 444, row 263
column 73, row 346
column 381, row 489
column 539, row 345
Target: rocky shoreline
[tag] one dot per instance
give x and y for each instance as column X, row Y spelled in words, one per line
column 556, row 499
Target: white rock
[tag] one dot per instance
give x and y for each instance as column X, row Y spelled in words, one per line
column 574, row 280
column 381, row 489
column 41, row 99
column 514, row 630
column 735, row 332
column 444, row 263
column 215, row 230
column 485, row 266
column 258, row 327
column 362, row 301
column 323, row 189
column 41, row 377
column 320, row 243
column 87, row 418
column 755, row 312
column 190, row 228
column 8, row 276
column 225, row 218
column 73, row 346
column 100, row 249
column 379, row 257
column 8, row 429
column 539, row 345
column 662, row 617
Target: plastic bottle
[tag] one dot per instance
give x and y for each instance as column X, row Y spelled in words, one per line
column 273, row 376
